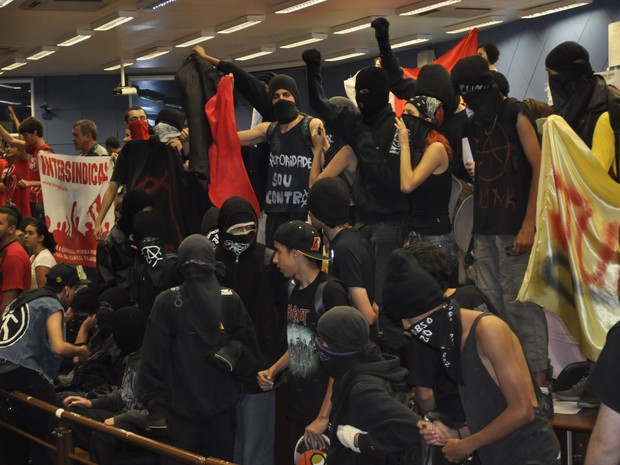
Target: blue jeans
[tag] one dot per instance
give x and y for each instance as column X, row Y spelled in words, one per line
column 384, row 238
column 256, row 429
column 499, row 274
column 447, row 244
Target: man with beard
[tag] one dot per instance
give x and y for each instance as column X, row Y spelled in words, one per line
column 359, row 434
column 507, row 158
column 199, row 343
column 381, row 209
column 585, row 101
column 501, row 400
column 251, row 273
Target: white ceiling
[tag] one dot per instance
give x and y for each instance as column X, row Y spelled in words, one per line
column 28, row 24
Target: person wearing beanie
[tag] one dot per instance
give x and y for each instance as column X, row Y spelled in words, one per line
column 588, row 104
column 115, row 255
column 352, row 259
column 381, row 208
column 433, row 81
column 310, row 294
column 251, row 273
column 291, row 138
column 366, row 421
column 32, row 346
column 479, row 352
column 199, row 346
column 507, row 169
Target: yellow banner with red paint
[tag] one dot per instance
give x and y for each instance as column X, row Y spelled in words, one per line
column 574, row 268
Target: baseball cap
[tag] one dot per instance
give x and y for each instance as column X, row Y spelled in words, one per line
column 62, row 275
column 302, row 237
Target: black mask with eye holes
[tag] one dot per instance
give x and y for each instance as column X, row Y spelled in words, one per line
column 285, row 111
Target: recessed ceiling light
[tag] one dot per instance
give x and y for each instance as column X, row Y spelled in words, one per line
column 75, row 38
column 17, row 62
column 153, row 53
column 239, row 24
column 411, row 40
column 294, row 5
column 475, row 23
column 353, row 26
column 117, row 64
column 551, row 8
column 264, row 50
column 421, row 7
column 344, row 55
column 194, row 39
column 113, row 20
column 304, row 40
column 4, row 3
column 41, row 52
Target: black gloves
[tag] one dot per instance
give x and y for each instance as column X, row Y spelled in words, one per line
column 312, row 57
column 225, row 359
column 382, row 34
column 156, row 423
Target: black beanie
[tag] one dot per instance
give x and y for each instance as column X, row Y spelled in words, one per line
column 409, row 291
column 344, row 329
column 172, row 117
column 569, row 59
column 146, row 224
column 376, row 81
column 282, row 81
column 434, row 81
column 329, row 201
column 116, row 297
column 471, row 74
column 128, row 327
column 134, row 201
column 501, row 82
column 85, row 300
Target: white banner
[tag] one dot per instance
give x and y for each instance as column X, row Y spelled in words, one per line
column 73, row 188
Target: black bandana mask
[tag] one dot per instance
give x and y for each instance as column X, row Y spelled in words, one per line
column 485, row 105
column 152, row 250
column 239, row 243
column 285, row 111
column 570, row 96
column 418, row 131
column 442, row 330
column 336, row 363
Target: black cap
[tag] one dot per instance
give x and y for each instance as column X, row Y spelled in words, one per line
column 471, row 74
column 302, row 237
column 62, row 275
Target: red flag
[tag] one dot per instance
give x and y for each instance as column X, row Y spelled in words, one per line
column 227, row 175
column 466, row 47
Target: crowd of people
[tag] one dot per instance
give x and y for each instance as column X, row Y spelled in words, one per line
column 348, row 289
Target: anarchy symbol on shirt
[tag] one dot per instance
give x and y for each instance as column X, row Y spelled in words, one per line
column 152, row 255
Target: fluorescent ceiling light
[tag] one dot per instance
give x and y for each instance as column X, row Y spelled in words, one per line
column 423, row 6
column 153, row 53
column 1, row 73
column 239, row 23
column 158, row 5
column 264, row 50
column 16, row 64
column 475, row 23
column 75, row 38
column 117, row 64
column 353, row 26
column 411, row 40
column 113, row 20
column 194, row 39
column 8, row 86
column 4, row 3
column 550, row 8
column 304, row 40
column 348, row 54
column 42, row 52
column 294, row 5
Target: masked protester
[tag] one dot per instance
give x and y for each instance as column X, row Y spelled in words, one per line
column 154, row 269
column 198, row 345
column 367, row 422
column 251, row 274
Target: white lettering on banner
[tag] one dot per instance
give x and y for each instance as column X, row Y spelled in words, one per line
column 290, row 161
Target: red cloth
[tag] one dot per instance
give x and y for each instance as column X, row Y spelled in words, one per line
column 3, row 164
column 13, row 173
column 226, row 169
column 36, row 195
column 14, row 268
column 468, row 46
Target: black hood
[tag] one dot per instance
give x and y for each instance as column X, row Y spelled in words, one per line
column 233, row 211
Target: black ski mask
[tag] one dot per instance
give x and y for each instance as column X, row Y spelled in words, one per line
column 372, row 89
column 285, row 111
column 485, row 104
column 237, row 224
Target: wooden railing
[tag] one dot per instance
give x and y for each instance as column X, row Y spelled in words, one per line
column 63, row 436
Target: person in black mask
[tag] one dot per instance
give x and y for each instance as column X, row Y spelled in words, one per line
column 381, row 209
column 115, row 255
column 359, row 434
column 251, row 273
column 507, row 167
column 581, row 97
column 501, row 400
column 154, row 270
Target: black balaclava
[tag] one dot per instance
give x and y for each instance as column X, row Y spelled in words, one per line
column 572, row 87
column 128, row 327
column 147, row 235
column 235, row 212
column 501, row 82
column 108, row 302
column 208, row 226
column 200, row 293
column 134, row 201
column 435, row 81
column 372, row 90
column 334, row 139
column 285, row 111
column 85, row 300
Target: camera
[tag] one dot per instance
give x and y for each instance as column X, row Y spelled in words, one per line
column 123, row 90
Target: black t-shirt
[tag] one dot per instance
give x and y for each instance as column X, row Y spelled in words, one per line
column 425, row 367
column 353, row 261
column 604, row 379
column 307, row 379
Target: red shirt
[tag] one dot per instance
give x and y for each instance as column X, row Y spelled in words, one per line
column 14, row 268
column 3, row 165
column 36, row 195
column 14, row 172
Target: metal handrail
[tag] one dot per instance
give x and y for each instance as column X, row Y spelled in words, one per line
column 126, row 436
